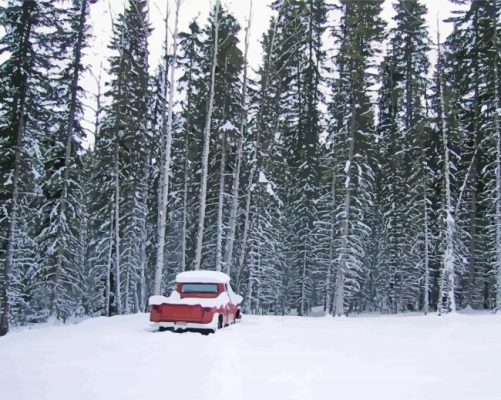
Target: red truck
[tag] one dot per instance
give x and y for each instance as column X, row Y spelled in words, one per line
column 202, row 301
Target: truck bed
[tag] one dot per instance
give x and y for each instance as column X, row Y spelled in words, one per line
column 179, row 313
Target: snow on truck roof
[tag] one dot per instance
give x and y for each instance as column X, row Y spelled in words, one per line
column 202, row 277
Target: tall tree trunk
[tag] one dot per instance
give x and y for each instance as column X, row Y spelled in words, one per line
column 109, row 262
column 186, row 178
column 205, row 153
column 165, row 172
column 220, row 207
column 116, row 161
column 498, row 190
column 9, row 262
column 118, row 291
column 330, row 267
column 161, row 175
column 108, row 266
column 426, row 289
column 498, row 166
column 472, row 221
column 302, row 305
column 345, row 227
column 230, row 241
column 446, row 299
column 472, row 176
column 187, row 173
column 245, row 234
column 127, row 288
column 254, row 260
column 143, row 259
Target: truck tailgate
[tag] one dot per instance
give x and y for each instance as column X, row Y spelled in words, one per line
column 181, row 312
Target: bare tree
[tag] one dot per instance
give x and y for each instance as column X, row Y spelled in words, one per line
column 205, row 153
column 166, row 167
column 230, row 241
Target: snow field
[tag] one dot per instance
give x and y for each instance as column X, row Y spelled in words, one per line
column 388, row 357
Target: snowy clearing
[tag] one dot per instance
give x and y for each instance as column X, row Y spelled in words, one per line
column 388, row 357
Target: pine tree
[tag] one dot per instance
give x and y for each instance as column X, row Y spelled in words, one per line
column 445, row 122
column 62, row 210
column 261, row 260
column 100, row 208
column 404, row 131
column 389, row 186
column 124, row 144
column 470, row 54
column 32, row 45
column 301, row 130
column 352, row 140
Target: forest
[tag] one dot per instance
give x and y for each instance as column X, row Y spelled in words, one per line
column 362, row 179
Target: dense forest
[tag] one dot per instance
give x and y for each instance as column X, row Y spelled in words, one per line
column 367, row 178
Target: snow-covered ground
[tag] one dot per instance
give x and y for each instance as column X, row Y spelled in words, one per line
column 393, row 357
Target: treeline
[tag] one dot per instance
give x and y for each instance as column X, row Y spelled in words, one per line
column 366, row 179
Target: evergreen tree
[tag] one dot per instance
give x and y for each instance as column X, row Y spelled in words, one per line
column 31, row 43
column 353, row 137
column 62, row 210
column 124, row 143
column 301, row 129
column 261, row 262
column 406, row 179
column 470, row 61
